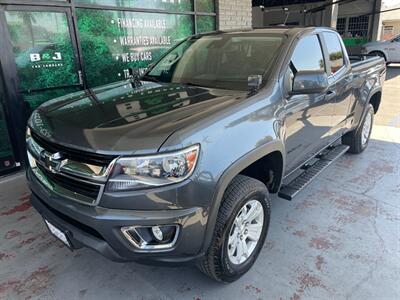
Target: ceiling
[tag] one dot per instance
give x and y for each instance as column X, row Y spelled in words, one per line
column 269, row 3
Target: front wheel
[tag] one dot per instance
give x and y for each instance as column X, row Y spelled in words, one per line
column 359, row 138
column 240, row 230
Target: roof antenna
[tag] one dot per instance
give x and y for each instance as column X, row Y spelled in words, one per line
column 287, row 14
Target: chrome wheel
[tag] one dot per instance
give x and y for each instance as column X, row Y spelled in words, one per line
column 366, row 129
column 245, row 232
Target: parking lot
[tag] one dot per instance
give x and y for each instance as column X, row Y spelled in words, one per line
column 340, row 238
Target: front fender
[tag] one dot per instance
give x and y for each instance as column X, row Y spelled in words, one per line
column 229, row 174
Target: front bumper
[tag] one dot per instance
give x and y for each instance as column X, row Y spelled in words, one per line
column 99, row 228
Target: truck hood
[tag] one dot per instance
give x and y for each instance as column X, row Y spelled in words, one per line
column 121, row 119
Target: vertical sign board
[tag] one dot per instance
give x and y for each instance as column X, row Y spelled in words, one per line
column 114, row 41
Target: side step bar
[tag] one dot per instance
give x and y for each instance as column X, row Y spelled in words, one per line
column 326, row 158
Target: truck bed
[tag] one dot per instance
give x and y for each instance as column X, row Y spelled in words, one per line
column 360, row 63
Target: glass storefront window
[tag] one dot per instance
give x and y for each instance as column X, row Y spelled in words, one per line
column 113, row 37
column 34, row 99
column 205, row 6
column 114, row 41
column 42, row 48
column 170, row 5
column 205, row 23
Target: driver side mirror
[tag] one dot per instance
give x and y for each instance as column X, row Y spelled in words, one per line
column 310, row 82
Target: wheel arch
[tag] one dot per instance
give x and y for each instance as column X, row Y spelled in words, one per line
column 379, row 51
column 374, row 97
column 375, row 100
column 257, row 157
column 268, row 169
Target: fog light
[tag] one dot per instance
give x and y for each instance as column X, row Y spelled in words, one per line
column 157, row 233
column 157, row 237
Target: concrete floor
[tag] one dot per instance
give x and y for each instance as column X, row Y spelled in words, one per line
column 339, row 239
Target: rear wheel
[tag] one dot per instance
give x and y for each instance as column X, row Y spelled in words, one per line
column 240, row 231
column 359, row 138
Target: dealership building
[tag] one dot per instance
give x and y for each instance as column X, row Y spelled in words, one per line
column 50, row 48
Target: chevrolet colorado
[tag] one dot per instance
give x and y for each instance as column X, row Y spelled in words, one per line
column 178, row 166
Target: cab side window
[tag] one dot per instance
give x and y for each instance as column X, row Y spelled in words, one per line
column 307, row 55
column 335, row 51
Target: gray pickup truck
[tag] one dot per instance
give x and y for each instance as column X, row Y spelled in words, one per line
column 178, row 166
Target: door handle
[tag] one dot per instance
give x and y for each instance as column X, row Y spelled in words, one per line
column 330, row 94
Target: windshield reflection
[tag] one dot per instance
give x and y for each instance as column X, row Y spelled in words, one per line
column 224, row 60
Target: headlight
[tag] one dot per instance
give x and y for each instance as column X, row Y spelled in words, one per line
column 155, row 170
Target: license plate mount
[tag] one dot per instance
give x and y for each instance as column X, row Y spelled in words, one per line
column 58, row 233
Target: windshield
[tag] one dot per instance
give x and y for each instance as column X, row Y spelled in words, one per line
column 218, row 61
column 396, row 38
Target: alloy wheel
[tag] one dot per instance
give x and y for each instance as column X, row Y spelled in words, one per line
column 245, row 232
column 366, row 129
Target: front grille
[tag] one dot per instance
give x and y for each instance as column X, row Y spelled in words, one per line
column 83, row 188
column 73, row 154
column 70, row 173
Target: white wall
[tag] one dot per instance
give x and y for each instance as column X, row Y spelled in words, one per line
column 393, row 15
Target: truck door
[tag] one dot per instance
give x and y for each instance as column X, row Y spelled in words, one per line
column 339, row 71
column 307, row 117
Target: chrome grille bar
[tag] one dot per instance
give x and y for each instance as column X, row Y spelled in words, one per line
column 80, row 169
column 77, row 181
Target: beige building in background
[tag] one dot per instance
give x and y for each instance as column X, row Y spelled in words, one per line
column 390, row 21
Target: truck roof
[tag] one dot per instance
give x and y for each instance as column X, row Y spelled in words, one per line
column 290, row 31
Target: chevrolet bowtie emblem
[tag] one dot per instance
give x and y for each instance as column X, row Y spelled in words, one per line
column 53, row 161
column 56, row 156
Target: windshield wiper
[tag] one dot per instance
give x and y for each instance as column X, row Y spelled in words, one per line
column 190, row 83
column 150, row 78
column 195, row 84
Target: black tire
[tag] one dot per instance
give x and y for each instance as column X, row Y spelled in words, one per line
column 354, row 138
column 216, row 263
